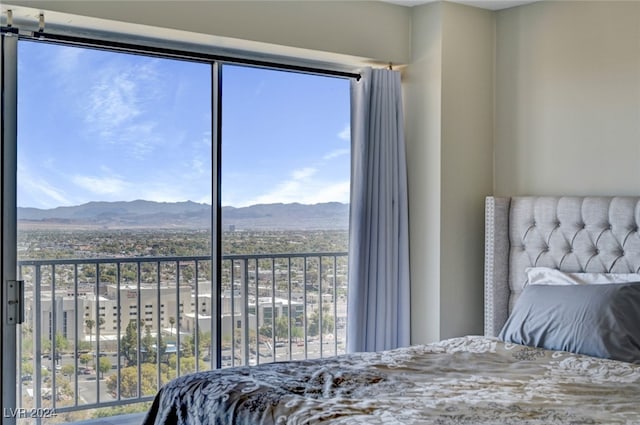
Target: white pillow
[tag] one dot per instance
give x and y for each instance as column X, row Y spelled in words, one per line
column 548, row 276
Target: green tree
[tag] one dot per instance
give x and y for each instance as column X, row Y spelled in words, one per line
column 62, row 343
column 104, row 365
column 186, row 274
column 187, row 347
column 204, row 343
column 266, row 331
column 90, row 323
column 327, row 323
column 129, row 381
column 282, row 327
column 108, row 412
column 172, row 321
column 147, row 346
column 84, row 346
column 297, row 333
column 86, row 358
column 189, row 344
column 27, row 367
column 68, row 369
column 27, row 340
column 314, row 323
column 163, row 346
column 128, row 275
column 187, row 365
column 129, row 343
column 45, row 345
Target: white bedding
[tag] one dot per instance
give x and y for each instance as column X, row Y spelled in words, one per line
column 470, row 380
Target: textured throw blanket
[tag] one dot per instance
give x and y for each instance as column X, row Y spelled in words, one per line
column 470, row 380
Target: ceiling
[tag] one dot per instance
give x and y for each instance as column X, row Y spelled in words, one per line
column 484, row 4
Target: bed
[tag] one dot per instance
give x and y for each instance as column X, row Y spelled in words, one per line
column 548, row 260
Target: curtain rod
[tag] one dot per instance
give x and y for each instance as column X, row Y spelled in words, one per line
column 171, row 53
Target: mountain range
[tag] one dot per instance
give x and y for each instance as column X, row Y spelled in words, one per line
column 150, row 214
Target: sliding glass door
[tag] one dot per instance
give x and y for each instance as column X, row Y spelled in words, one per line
column 114, row 227
column 161, row 217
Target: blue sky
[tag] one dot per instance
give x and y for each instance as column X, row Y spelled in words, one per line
column 102, row 126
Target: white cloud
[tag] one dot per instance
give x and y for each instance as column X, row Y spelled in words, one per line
column 206, row 139
column 119, row 108
column 166, row 190
column 100, row 185
column 345, row 134
column 337, row 192
column 67, row 58
column 163, row 194
column 303, row 173
column 205, row 199
column 37, row 191
column 53, row 193
column 113, row 101
column 313, row 193
column 336, row 153
column 198, row 166
column 47, row 195
column 303, row 187
column 141, row 138
column 173, row 191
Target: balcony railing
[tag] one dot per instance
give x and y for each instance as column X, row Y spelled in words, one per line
column 106, row 333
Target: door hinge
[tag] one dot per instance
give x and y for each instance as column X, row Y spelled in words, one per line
column 14, row 296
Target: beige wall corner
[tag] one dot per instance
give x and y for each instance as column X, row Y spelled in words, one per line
column 467, row 164
column 423, row 98
column 449, row 96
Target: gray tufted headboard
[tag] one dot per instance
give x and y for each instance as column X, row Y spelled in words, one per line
column 572, row 234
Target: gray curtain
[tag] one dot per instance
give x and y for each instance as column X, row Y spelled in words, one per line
column 378, row 298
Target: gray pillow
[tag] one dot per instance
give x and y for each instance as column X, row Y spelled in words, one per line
column 596, row 320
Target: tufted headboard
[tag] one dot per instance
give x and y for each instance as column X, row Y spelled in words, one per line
column 572, row 234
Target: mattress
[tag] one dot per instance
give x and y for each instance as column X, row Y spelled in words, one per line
column 468, row 380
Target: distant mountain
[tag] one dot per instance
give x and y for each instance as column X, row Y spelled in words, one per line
column 326, row 216
column 149, row 214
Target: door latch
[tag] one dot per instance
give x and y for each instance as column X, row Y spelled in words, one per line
column 14, row 296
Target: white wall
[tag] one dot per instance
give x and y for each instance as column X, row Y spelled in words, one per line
column 568, row 99
column 450, row 102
